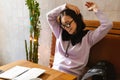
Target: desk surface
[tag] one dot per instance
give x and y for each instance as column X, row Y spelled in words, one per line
column 50, row 74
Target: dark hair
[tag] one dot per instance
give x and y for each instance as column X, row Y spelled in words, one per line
column 77, row 37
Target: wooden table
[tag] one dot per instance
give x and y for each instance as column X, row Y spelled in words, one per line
column 50, row 74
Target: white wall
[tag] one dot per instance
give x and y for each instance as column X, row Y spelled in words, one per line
column 14, row 25
column 13, row 30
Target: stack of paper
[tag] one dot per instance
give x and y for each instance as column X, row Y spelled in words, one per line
column 22, row 73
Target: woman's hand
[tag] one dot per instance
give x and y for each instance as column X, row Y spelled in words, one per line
column 91, row 6
column 73, row 7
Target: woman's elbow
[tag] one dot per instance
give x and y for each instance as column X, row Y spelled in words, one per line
column 110, row 24
column 47, row 16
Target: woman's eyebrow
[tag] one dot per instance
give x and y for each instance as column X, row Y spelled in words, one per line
column 65, row 22
column 68, row 21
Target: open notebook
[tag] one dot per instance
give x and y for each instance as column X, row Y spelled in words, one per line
column 21, row 73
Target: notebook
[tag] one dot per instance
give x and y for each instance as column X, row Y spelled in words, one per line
column 21, row 73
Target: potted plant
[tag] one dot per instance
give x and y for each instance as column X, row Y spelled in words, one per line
column 34, row 13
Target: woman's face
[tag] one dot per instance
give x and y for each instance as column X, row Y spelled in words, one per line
column 68, row 24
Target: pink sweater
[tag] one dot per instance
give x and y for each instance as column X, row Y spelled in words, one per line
column 79, row 53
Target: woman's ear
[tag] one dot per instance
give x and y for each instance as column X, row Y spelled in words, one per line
column 58, row 19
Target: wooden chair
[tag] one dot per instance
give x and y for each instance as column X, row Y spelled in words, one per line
column 107, row 49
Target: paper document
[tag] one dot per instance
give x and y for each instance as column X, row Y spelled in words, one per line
column 21, row 73
column 32, row 73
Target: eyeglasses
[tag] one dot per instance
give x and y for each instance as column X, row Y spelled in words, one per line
column 67, row 25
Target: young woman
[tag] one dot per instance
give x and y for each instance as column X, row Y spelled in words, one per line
column 73, row 43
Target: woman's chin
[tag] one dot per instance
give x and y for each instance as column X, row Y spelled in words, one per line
column 72, row 33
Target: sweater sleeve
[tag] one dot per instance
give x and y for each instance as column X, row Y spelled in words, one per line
column 52, row 19
column 102, row 30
